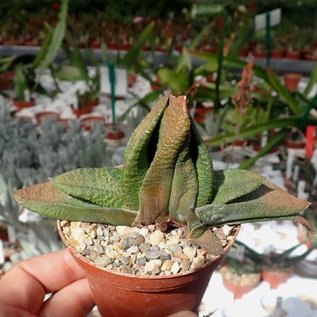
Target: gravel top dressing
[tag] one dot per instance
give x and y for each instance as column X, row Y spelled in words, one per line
column 142, row 251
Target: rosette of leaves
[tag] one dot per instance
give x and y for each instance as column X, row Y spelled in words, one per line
column 167, row 179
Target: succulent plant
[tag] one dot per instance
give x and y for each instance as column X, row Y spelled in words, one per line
column 167, row 179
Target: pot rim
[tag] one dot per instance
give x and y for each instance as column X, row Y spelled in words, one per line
column 177, row 275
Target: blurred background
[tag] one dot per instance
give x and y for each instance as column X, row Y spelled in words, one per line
column 76, row 78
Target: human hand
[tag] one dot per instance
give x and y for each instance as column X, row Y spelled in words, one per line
column 23, row 288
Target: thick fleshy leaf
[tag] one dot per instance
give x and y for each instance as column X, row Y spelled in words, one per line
column 156, row 187
column 203, row 166
column 136, row 155
column 209, row 241
column 184, row 187
column 51, row 202
column 268, row 202
column 100, row 186
column 233, row 183
column 197, row 232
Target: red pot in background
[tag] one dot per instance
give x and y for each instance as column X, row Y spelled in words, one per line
column 293, row 54
column 126, row 295
column 41, row 116
column 23, row 104
column 3, row 233
column 156, row 85
column 244, row 52
column 6, row 80
column 276, row 277
column 241, row 286
column 131, row 79
column 258, row 53
column 291, row 80
column 88, row 121
column 276, row 54
column 87, row 108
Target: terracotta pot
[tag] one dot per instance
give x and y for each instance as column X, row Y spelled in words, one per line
column 293, row 54
column 126, row 295
column 87, row 122
column 87, row 108
column 277, row 276
column 259, row 54
column 276, row 54
column 311, row 57
column 64, row 123
column 41, row 116
column 291, row 80
column 156, row 85
column 6, row 80
column 4, row 233
column 241, row 285
column 23, row 104
column 131, row 79
column 244, row 52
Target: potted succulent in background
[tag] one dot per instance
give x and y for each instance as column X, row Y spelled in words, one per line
column 241, row 273
column 86, row 103
column 291, row 80
column 21, row 88
column 278, row 267
column 151, row 231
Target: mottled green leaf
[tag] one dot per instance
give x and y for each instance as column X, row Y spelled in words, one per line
column 156, row 187
column 208, row 241
column 268, row 202
column 136, row 155
column 184, row 187
column 57, row 37
column 51, row 202
column 233, row 183
column 203, row 166
column 100, row 186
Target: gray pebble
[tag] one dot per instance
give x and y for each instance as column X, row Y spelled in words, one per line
column 173, row 248
column 99, row 232
column 133, row 249
column 93, row 255
column 151, row 255
column 102, row 260
column 141, row 260
column 144, row 247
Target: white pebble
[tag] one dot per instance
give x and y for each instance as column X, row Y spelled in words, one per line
column 190, row 252
column 133, row 249
column 123, row 230
column 78, row 233
column 226, row 229
column 175, row 268
column 198, row 261
column 173, row 240
column 167, row 265
column 144, row 231
column 156, row 237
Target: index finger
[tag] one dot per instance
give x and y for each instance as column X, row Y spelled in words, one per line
column 26, row 284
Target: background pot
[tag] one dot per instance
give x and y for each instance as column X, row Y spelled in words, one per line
column 239, row 284
column 291, row 80
column 125, row 295
column 43, row 115
column 277, row 276
column 23, row 104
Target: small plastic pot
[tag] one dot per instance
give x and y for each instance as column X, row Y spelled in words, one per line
column 291, row 81
column 23, row 104
column 239, row 284
column 126, row 295
column 276, row 277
